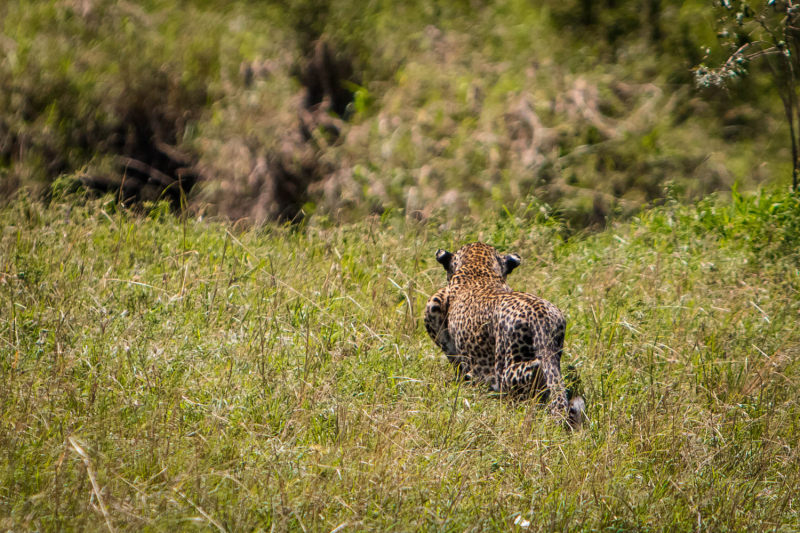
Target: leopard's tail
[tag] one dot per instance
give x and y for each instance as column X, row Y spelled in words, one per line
column 557, row 392
column 571, row 411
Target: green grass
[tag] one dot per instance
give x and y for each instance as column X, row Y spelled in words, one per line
column 185, row 375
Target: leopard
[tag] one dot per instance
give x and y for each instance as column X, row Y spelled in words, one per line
column 509, row 340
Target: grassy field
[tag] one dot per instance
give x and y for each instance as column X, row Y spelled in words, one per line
column 161, row 374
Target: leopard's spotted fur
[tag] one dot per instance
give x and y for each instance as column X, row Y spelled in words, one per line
column 511, row 340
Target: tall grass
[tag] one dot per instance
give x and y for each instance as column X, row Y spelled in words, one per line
column 163, row 374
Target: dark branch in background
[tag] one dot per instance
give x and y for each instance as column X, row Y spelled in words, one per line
column 771, row 33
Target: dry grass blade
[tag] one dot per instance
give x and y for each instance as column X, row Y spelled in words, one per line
column 95, row 487
column 201, row 511
column 770, row 367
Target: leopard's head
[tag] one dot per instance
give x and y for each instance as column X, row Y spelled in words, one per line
column 478, row 260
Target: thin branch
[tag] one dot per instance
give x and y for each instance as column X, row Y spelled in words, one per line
column 771, row 52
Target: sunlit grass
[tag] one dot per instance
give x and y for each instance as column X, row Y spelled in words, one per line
column 185, row 375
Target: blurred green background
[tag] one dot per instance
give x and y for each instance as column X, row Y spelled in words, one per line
column 338, row 108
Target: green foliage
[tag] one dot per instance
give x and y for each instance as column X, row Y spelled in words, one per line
column 761, row 225
column 769, row 226
column 193, row 376
column 362, row 99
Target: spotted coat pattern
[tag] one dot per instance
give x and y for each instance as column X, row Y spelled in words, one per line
column 510, row 340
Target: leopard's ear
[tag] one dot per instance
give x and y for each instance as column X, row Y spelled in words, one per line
column 510, row 262
column 444, row 258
